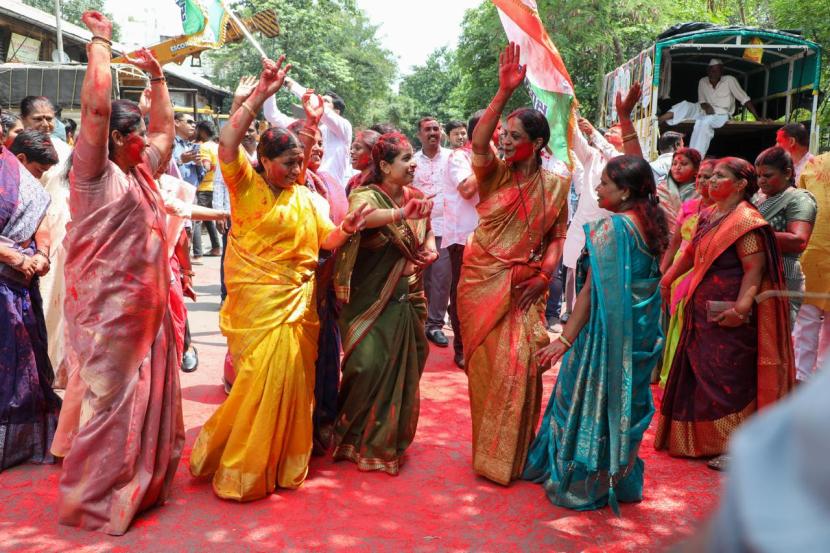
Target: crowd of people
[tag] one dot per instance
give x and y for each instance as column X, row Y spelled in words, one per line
column 344, row 256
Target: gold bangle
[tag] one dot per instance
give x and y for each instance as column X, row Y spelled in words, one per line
column 565, row 341
column 629, row 136
column 248, row 109
column 105, row 40
column 306, row 134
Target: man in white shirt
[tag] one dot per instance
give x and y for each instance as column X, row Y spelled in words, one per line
column 716, row 95
column 590, row 152
column 430, row 178
column 336, row 130
column 668, row 143
column 794, row 138
column 460, row 216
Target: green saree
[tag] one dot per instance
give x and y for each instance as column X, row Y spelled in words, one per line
column 384, row 345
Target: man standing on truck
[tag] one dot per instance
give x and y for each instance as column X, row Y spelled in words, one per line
column 716, row 95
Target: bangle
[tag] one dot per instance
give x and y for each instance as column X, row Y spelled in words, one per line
column 105, row 40
column 397, row 214
column 158, row 80
column 740, row 315
column 248, row 109
column 306, row 134
column 629, row 136
column 102, row 41
column 493, row 111
column 565, row 341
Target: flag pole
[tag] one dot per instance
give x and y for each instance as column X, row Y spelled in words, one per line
column 244, row 29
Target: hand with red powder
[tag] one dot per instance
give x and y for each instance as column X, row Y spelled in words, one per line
column 98, row 24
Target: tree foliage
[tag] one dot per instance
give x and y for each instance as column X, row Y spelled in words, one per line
column 331, row 45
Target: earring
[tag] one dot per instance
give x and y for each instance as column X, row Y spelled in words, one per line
column 625, row 198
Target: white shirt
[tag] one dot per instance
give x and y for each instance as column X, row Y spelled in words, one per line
column 722, row 96
column 336, row 132
column 802, row 163
column 662, row 166
column 430, row 177
column 460, row 215
column 586, row 176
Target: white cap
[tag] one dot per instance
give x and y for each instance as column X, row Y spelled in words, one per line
column 715, row 61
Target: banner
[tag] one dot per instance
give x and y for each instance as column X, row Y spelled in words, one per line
column 549, row 83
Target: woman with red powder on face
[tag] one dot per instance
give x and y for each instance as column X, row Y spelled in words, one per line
column 505, row 276
column 260, row 438
column 734, row 357
column 685, row 227
column 679, row 185
column 123, row 434
column 379, row 279
column 361, row 157
column 327, row 366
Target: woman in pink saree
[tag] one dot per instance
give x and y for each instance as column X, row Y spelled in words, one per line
column 122, row 433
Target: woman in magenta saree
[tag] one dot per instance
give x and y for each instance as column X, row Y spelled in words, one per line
column 123, row 434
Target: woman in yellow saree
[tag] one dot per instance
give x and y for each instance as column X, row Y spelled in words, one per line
column 378, row 277
column 260, row 437
column 505, row 275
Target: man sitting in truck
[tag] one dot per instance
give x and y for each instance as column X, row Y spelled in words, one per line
column 716, row 95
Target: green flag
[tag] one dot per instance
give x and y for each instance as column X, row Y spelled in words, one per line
column 193, row 18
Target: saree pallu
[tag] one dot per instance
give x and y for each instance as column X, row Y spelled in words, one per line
column 720, row 376
column 122, row 432
column 686, row 225
column 601, row 404
column 500, row 340
column 384, row 344
column 28, row 406
column 260, row 438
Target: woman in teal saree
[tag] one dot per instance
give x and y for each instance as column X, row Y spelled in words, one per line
column 585, row 453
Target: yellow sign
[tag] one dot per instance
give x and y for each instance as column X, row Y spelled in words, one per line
column 755, row 55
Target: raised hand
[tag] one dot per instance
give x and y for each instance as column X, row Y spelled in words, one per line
column 273, row 75
column 146, row 61
column 98, row 24
column 511, row 72
column 313, row 106
column 246, row 86
column 586, row 127
column 144, row 102
column 626, row 105
column 417, row 208
column 356, row 220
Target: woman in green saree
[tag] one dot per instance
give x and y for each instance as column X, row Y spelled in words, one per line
column 586, row 451
column 378, row 278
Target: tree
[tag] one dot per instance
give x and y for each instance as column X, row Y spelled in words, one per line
column 331, row 45
column 71, row 10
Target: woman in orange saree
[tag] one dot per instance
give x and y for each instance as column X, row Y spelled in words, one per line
column 505, row 275
column 733, row 357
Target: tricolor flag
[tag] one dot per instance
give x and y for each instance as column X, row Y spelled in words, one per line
column 549, row 83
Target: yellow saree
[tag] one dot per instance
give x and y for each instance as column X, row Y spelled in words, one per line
column 260, row 437
column 516, row 221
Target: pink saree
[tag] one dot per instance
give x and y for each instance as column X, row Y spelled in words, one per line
column 122, row 432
